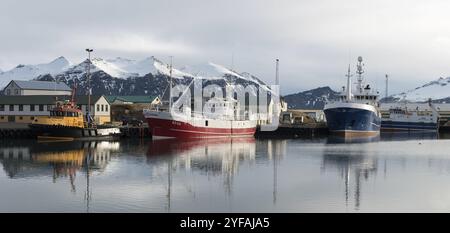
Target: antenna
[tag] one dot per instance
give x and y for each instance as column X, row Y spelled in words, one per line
column 277, row 77
column 360, row 71
column 349, row 88
column 387, row 82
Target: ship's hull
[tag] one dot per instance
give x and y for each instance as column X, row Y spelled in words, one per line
column 352, row 121
column 389, row 125
column 56, row 132
column 163, row 126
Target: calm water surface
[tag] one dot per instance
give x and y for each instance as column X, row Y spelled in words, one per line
column 391, row 173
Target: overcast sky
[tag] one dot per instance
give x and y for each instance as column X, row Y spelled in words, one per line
column 314, row 40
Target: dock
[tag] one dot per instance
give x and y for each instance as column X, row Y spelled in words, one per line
column 21, row 131
column 295, row 131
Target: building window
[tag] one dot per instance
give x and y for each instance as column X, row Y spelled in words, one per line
column 98, row 107
column 106, row 106
column 49, row 107
column 103, row 108
column 41, row 107
column 8, row 92
column 20, row 107
column 11, row 108
column 2, row 107
column 32, row 108
column 16, row 91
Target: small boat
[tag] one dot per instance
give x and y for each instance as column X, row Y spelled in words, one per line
column 402, row 118
column 66, row 122
column 355, row 113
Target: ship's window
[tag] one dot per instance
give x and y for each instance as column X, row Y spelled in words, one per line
column 32, row 107
column 206, row 123
column 41, row 107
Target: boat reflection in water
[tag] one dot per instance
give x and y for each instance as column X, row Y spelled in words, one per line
column 219, row 157
column 354, row 166
column 389, row 136
column 336, row 139
column 23, row 159
column 210, row 157
column 59, row 160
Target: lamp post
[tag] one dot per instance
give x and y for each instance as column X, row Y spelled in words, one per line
column 88, row 112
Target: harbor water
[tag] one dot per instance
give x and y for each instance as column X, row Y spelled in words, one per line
column 389, row 173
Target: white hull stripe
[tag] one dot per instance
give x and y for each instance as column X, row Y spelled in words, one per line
column 367, row 107
column 200, row 132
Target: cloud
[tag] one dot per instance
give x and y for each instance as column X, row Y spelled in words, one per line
column 315, row 40
column 127, row 42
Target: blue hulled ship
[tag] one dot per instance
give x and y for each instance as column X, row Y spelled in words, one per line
column 356, row 112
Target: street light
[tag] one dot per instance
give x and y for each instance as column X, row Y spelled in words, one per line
column 88, row 112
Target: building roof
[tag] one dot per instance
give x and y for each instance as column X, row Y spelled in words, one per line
column 132, row 98
column 44, row 99
column 41, row 85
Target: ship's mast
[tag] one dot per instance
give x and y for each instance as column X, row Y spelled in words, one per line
column 277, row 77
column 359, row 72
column 387, row 80
column 170, row 84
column 349, row 81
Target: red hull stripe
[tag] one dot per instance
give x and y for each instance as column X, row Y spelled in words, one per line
column 177, row 129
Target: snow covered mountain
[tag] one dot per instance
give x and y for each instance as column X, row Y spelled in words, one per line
column 438, row 90
column 311, row 99
column 121, row 76
column 27, row 72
